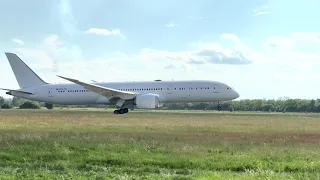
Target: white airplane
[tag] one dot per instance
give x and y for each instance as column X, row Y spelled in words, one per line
column 125, row 95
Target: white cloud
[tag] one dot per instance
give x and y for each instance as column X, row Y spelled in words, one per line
column 18, row 41
column 204, row 53
column 279, row 43
column 47, row 52
column 311, row 36
column 225, row 56
column 183, row 67
column 261, row 13
column 295, row 59
column 195, row 17
column 284, row 67
column 215, row 53
column 51, row 56
column 298, row 42
column 105, row 32
column 171, row 24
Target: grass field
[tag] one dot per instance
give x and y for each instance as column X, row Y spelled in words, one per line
column 95, row 144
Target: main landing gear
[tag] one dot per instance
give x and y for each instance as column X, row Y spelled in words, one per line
column 121, row 111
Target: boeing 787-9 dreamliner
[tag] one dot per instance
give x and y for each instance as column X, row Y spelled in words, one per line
column 124, row 95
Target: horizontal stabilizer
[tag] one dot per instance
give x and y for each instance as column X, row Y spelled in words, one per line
column 11, row 90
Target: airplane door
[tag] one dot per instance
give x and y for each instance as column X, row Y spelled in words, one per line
column 215, row 88
column 50, row 92
column 169, row 89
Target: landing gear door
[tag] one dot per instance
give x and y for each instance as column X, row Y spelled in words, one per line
column 215, row 88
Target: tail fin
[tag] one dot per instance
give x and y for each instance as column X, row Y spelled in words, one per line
column 24, row 75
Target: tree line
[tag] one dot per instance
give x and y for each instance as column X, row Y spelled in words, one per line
column 287, row 105
column 266, row 105
column 18, row 102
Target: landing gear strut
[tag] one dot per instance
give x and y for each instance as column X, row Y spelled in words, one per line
column 219, row 107
column 121, row 111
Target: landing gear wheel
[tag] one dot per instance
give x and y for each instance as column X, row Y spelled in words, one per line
column 121, row 111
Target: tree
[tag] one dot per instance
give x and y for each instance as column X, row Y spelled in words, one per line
column 2, row 100
column 280, row 105
column 29, row 105
column 15, row 102
column 6, row 106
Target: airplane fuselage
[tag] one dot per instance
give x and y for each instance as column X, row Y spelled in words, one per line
column 168, row 91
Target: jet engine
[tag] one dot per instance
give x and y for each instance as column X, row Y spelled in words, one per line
column 147, row 101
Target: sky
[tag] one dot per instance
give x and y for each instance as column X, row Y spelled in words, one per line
column 263, row 49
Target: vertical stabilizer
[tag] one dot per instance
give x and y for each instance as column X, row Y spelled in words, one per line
column 24, row 75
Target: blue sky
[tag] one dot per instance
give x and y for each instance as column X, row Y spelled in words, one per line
column 264, row 49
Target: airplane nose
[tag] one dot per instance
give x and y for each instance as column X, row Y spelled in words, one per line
column 236, row 94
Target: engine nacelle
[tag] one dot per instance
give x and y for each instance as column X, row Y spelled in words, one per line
column 147, row 101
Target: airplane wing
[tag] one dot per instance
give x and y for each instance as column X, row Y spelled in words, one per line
column 11, row 90
column 104, row 91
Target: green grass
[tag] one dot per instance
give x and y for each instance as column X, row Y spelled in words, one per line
column 95, row 144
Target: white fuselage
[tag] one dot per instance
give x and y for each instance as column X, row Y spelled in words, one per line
column 168, row 91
